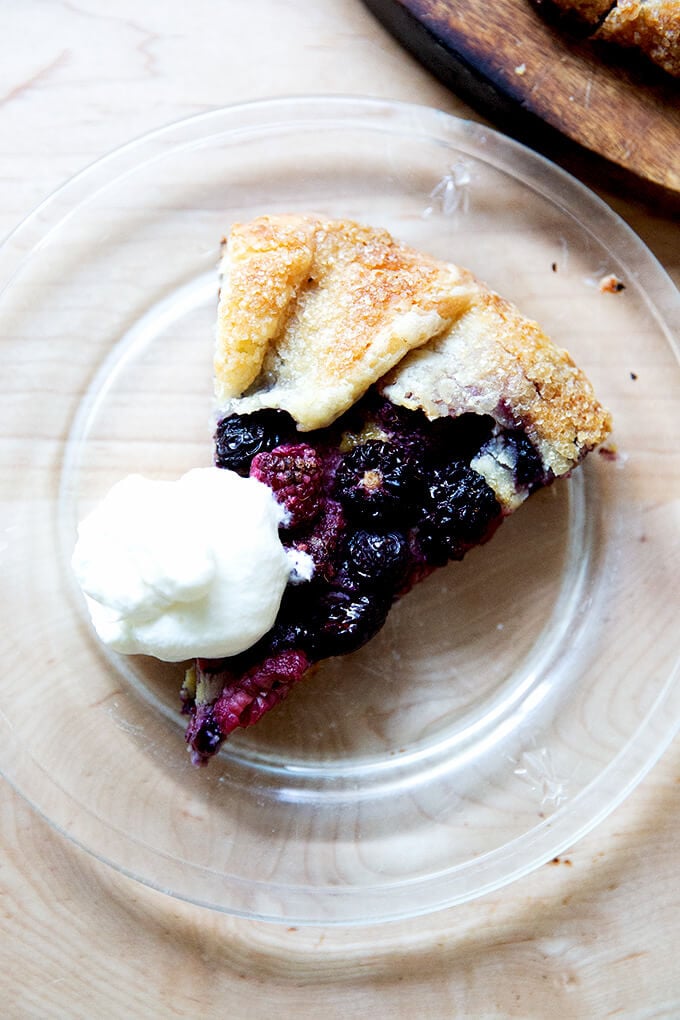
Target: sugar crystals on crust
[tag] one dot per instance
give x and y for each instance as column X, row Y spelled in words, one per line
column 314, row 311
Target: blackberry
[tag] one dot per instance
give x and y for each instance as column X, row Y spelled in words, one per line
column 375, row 482
column 293, row 472
column 347, row 621
column 436, row 547
column 239, row 437
column 377, row 560
column 459, row 508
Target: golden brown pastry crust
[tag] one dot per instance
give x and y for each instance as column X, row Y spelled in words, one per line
column 495, row 361
column 652, row 26
column 590, row 11
column 314, row 311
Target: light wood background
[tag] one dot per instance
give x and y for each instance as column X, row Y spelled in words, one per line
column 594, row 935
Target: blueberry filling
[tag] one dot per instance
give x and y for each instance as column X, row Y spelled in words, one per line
column 238, row 438
column 347, row 620
column 375, row 560
column 377, row 500
column 529, row 471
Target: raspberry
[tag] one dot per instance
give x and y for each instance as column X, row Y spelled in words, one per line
column 239, row 437
column 293, row 472
column 323, row 542
column 375, row 482
column 245, row 699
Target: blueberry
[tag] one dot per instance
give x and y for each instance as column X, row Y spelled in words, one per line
column 298, row 635
column 375, row 482
column 529, row 471
column 207, row 738
column 239, row 437
column 377, row 560
column 459, row 508
column 436, row 547
column 296, row 625
column 348, row 620
column 293, row 634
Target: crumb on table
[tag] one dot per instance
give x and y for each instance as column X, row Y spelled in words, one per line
column 611, row 284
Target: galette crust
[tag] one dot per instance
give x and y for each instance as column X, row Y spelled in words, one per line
column 652, row 26
column 590, row 11
column 495, row 361
column 313, row 311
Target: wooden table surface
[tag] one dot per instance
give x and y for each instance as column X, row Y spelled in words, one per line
column 596, row 938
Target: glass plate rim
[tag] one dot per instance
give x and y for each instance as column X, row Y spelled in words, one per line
column 533, row 168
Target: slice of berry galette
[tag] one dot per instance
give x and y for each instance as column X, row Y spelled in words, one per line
column 397, row 408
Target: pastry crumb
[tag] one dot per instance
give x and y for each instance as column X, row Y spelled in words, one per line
column 611, row 284
column 521, row 70
column 609, row 452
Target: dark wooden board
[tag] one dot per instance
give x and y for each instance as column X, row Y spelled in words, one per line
column 504, row 56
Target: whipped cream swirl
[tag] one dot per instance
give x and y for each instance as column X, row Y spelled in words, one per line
column 183, row 569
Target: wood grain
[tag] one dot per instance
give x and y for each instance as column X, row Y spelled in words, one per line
column 592, row 935
column 519, row 68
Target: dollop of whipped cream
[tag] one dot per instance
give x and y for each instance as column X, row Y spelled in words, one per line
column 183, row 569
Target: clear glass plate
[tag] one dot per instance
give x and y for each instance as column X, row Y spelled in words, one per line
column 512, row 700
